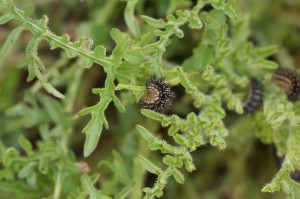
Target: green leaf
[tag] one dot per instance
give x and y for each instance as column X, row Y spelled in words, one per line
column 172, row 130
column 25, row 144
column 100, row 51
column 157, row 23
column 229, row 11
column 118, row 104
column 202, row 56
column 10, row 156
column 26, row 170
column 5, row 18
column 266, row 64
column 9, row 42
column 50, row 89
column 88, row 186
column 152, row 114
column 93, row 131
column 265, row 51
column 180, row 139
column 124, row 192
column 195, row 22
column 134, row 56
column 54, row 109
column 119, row 169
column 121, row 42
column 130, row 20
column 94, row 128
column 29, row 9
column 169, row 160
column 31, row 179
column 178, row 176
column 146, row 134
column 150, row 166
column 214, row 19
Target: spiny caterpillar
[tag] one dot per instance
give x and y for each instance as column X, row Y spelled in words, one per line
column 289, row 81
column 254, row 96
column 158, row 97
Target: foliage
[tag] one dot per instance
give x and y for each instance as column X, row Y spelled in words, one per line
column 200, row 48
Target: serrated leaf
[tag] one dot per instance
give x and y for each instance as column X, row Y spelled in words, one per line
column 150, row 166
column 63, row 42
column 157, row 23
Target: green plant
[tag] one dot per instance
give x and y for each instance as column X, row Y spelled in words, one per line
column 214, row 77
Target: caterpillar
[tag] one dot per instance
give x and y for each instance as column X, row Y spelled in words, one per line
column 253, row 97
column 289, row 81
column 158, row 96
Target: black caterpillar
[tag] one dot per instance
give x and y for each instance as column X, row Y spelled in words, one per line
column 158, row 97
column 289, row 81
column 254, row 96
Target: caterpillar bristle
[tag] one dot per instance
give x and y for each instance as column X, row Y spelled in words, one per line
column 158, row 96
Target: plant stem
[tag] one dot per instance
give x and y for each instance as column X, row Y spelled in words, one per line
column 57, row 188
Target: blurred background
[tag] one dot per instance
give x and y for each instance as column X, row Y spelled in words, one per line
column 239, row 172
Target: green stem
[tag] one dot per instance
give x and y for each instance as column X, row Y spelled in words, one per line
column 52, row 37
column 57, row 188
